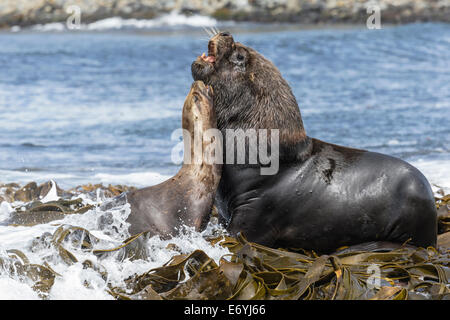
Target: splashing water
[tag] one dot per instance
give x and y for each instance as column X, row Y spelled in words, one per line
column 76, row 281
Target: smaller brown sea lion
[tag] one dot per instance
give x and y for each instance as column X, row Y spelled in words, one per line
column 186, row 198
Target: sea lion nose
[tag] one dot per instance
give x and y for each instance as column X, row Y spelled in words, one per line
column 225, row 34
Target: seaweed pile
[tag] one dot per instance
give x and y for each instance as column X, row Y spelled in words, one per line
column 247, row 271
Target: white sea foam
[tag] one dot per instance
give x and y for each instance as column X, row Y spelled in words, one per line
column 393, row 142
column 54, row 26
column 70, row 180
column 437, row 172
column 23, row 177
column 15, row 29
column 71, row 280
column 71, row 285
column 173, row 19
column 5, row 210
column 138, row 179
column 14, row 289
column 52, row 195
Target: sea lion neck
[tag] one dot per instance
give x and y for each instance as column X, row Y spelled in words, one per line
column 201, row 155
column 262, row 108
column 254, row 105
column 202, row 148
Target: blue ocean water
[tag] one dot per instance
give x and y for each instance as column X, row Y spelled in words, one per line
column 94, row 107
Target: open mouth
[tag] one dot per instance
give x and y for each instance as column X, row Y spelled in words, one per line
column 211, row 57
column 208, row 58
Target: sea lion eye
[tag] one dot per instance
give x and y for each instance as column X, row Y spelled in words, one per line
column 238, row 59
column 196, row 98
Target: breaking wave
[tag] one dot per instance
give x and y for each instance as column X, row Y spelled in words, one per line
column 171, row 20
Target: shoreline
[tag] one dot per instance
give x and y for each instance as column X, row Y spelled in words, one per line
column 27, row 13
column 241, row 27
column 181, row 30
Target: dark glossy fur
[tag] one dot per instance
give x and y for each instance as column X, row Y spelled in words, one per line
column 324, row 196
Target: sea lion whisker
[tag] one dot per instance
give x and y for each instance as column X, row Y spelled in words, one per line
column 208, row 32
column 211, row 30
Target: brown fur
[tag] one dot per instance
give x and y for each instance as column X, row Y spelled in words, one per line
column 250, row 92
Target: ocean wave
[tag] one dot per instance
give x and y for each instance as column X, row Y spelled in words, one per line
column 72, row 179
column 437, row 172
column 110, row 227
column 39, row 175
column 14, row 289
column 170, row 20
column 138, row 179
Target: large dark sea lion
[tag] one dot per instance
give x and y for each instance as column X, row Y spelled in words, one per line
column 324, row 196
column 187, row 198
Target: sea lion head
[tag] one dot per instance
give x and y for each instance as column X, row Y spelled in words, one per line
column 249, row 91
column 220, row 48
column 198, row 111
column 226, row 59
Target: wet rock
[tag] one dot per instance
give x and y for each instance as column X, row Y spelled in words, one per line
column 99, row 190
column 37, row 212
column 443, row 241
column 27, row 193
column 32, row 191
column 7, row 192
column 10, row 185
column 45, row 188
